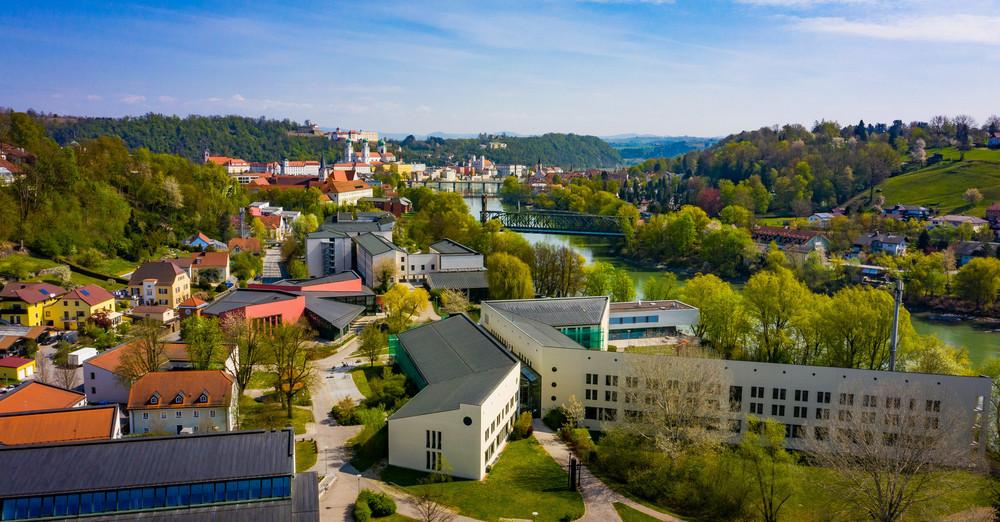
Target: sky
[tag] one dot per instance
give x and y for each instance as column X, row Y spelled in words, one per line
column 602, row 67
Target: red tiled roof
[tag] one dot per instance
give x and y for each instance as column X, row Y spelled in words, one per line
column 44, row 427
column 272, row 221
column 192, row 302
column 340, row 187
column 785, row 233
column 35, row 396
column 90, row 294
column 111, row 359
column 31, row 293
column 14, row 362
column 246, row 244
column 217, row 386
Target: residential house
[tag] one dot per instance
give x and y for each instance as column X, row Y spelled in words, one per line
column 25, row 303
column 191, row 306
column 14, row 338
column 395, row 205
column 876, row 242
column 467, row 401
column 80, row 304
column 202, row 242
column 156, row 313
column 993, row 215
column 274, row 226
column 239, row 245
column 346, row 193
column 956, row 221
column 193, row 401
column 160, row 283
column 822, row 219
column 60, row 426
column 222, row 477
column 209, row 267
column 907, row 212
column 15, row 369
column 966, row 251
column 36, row 396
column 796, row 244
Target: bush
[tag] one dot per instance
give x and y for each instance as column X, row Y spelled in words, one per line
column 345, row 412
column 362, row 513
column 555, row 418
column 379, row 504
column 89, row 257
column 579, row 439
column 522, row 426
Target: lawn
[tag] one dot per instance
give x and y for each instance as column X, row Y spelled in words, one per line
column 305, row 455
column 523, row 480
column 261, row 381
column 977, row 154
column 268, row 414
column 628, row 514
column 362, row 374
column 941, row 186
column 326, row 349
column 115, row 266
column 34, row 264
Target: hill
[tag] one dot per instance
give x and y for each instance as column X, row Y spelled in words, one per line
column 566, row 150
column 252, row 139
column 635, row 149
column 940, row 186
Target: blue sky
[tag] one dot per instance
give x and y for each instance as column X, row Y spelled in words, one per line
column 697, row 67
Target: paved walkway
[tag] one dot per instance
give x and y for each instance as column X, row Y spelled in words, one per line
column 598, row 498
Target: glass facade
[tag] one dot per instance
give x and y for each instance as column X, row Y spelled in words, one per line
column 530, row 395
column 144, row 499
column 589, row 337
column 634, row 319
column 400, row 357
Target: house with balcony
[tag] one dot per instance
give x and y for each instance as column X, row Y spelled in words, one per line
column 80, row 304
column 160, row 283
column 25, row 303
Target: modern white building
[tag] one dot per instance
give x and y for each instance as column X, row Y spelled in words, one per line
column 460, row 419
column 376, row 255
column 330, row 250
column 646, row 319
column 193, row 401
column 518, row 171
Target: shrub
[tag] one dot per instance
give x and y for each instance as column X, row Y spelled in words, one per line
column 89, row 257
column 345, row 412
column 555, row 418
column 522, row 426
column 382, row 505
column 579, row 439
column 362, row 513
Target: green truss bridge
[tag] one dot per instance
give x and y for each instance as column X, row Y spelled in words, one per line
column 556, row 222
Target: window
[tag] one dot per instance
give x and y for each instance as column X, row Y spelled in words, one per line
column 91, row 375
column 735, row 398
column 892, row 402
column 163, row 415
column 178, row 414
column 179, row 398
column 631, row 382
column 610, row 396
column 844, row 415
column 93, row 389
column 611, row 380
column 847, row 399
column 203, row 397
column 434, row 439
column 211, row 413
column 823, row 397
column 931, row 423
column 822, row 413
column 800, row 412
column 757, row 392
column 821, row 433
column 590, row 413
column 434, row 460
column 162, row 291
column 870, row 401
column 154, row 399
column 196, row 413
column 778, row 394
column 802, row 395
column 757, row 408
column 422, row 267
column 145, row 416
column 591, row 395
column 778, row 409
column 868, row 417
column 933, row 406
column 592, row 378
column 413, row 268
column 793, row 431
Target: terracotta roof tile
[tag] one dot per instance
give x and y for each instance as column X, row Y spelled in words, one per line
column 35, row 396
column 110, row 359
column 74, row 424
column 14, row 362
column 31, row 293
column 216, row 385
column 90, row 294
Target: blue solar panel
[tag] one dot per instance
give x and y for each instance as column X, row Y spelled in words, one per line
column 44, row 291
column 85, row 292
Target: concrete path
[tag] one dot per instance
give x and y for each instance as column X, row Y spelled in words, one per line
column 598, row 498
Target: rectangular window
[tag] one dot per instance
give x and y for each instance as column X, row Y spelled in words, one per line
column 757, row 392
column 610, row 396
column 800, row 412
column 933, row 406
column 870, row 401
column 778, row 410
column 591, row 395
column 631, row 382
column 847, row 399
column 778, row 394
column 163, row 415
column 822, row 413
column 590, row 413
column 145, row 416
column 592, row 379
column 802, row 395
column 844, row 415
column 211, row 413
column 196, row 413
column 757, row 408
column 823, row 397
column 735, row 398
column 178, row 414
column 611, row 380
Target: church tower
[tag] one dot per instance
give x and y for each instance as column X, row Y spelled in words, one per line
column 348, row 151
column 365, row 151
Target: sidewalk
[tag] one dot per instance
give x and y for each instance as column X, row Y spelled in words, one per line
column 598, row 498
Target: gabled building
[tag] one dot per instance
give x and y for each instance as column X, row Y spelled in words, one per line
column 16, row 369
column 25, row 303
column 192, row 401
column 160, row 283
column 79, row 305
column 956, row 221
column 876, row 242
column 232, row 165
column 35, row 396
column 191, row 306
column 202, row 242
column 238, row 245
column 966, row 251
column 467, row 403
column 346, row 193
column 907, row 212
column 60, row 426
column 212, row 267
column 796, row 244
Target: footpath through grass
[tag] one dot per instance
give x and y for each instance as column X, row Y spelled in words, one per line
column 523, row 480
column 628, row 514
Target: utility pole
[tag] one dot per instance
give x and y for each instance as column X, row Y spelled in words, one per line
column 894, row 341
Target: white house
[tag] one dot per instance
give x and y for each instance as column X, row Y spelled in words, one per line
column 348, row 192
column 461, row 418
column 193, row 401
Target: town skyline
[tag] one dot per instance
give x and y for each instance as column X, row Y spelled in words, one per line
column 601, row 68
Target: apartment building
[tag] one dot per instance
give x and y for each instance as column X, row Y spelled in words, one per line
column 193, row 401
column 160, row 283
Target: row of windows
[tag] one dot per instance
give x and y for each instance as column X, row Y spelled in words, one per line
column 634, row 319
column 178, row 414
column 609, row 396
column 137, row 499
column 433, row 460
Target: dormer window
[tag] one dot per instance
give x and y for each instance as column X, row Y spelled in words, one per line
column 179, row 399
column 203, row 397
column 155, row 399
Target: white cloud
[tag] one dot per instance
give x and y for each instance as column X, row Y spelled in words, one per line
column 960, row 28
column 238, row 98
column 133, row 99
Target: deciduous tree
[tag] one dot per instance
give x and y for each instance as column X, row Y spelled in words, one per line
column 509, row 277
column 402, row 304
column 371, row 343
column 288, row 354
column 144, row 354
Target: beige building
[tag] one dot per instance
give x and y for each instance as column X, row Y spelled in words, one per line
column 187, row 401
column 160, row 283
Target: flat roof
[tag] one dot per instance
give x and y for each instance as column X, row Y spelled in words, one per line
column 639, row 306
column 246, row 297
column 336, row 313
column 563, row 311
column 461, row 362
column 447, row 246
column 145, row 461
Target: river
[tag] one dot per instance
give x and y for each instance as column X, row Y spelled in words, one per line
column 980, row 343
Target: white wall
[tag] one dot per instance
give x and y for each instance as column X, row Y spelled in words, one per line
column 460, row 262
column 102, row 386
column 166, row 420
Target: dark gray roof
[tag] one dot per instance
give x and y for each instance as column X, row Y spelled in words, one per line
column 461, row 362
column 544, row 334
column 334, row 312
column 447, row 246
column 972, row 248
column 375, row 244
column 162, row 271
column 564, row 311
column 145, row 461
column 461, row 279
column 326, row 234
column 245, row 297
column 350, row 275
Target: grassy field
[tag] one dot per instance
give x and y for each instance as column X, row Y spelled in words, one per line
column 628, row 514
column 34, row 264
column 524, row 480
column 977, row 154
column 305, row 455
column 941, row 186
column 362, row 374
column 269, row 414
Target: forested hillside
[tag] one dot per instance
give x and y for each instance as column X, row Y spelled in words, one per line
column 636, row 149
column 566, row 150
column 252, row 139
column 98, row 198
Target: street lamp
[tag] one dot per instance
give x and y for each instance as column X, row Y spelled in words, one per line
column 534, row 515
column 359, row 483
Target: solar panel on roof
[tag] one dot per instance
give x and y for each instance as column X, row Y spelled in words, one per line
column 44, row 291
column 85, row 292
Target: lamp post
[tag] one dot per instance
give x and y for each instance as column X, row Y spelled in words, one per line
column 534, row 515
column 359, row 483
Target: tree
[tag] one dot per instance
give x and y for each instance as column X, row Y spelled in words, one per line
column 604, row 279
column 144, row 354
column 248, row 352
column 736, row 215
column 558, row 271
column 972, row 196
column 259, row 230
column 768, row 463
column 204, row 340
column 573, row 409
column 919, row 154
column 297, row 269
column 372, row 342
column 246, row 265
column 65, row 373
column 402, row 303
column 979, row 281
column 289, row 356
column 454, row 301
column 858, row 327
column 660, row 287
column 772, row 299
column 385, row 274
column 509, row 277
column 722, row 317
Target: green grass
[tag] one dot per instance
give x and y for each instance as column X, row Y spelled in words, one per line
column 324, row 350
column 261, row 380
column 362, row 374
column 268, row 414
column 395, row 517
column 977, row 154
column 34, row 264
column 941, row 186
column 523, row 480
column 369, row 448
column 629, row 514
column 115, row 266
column 305, row 455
